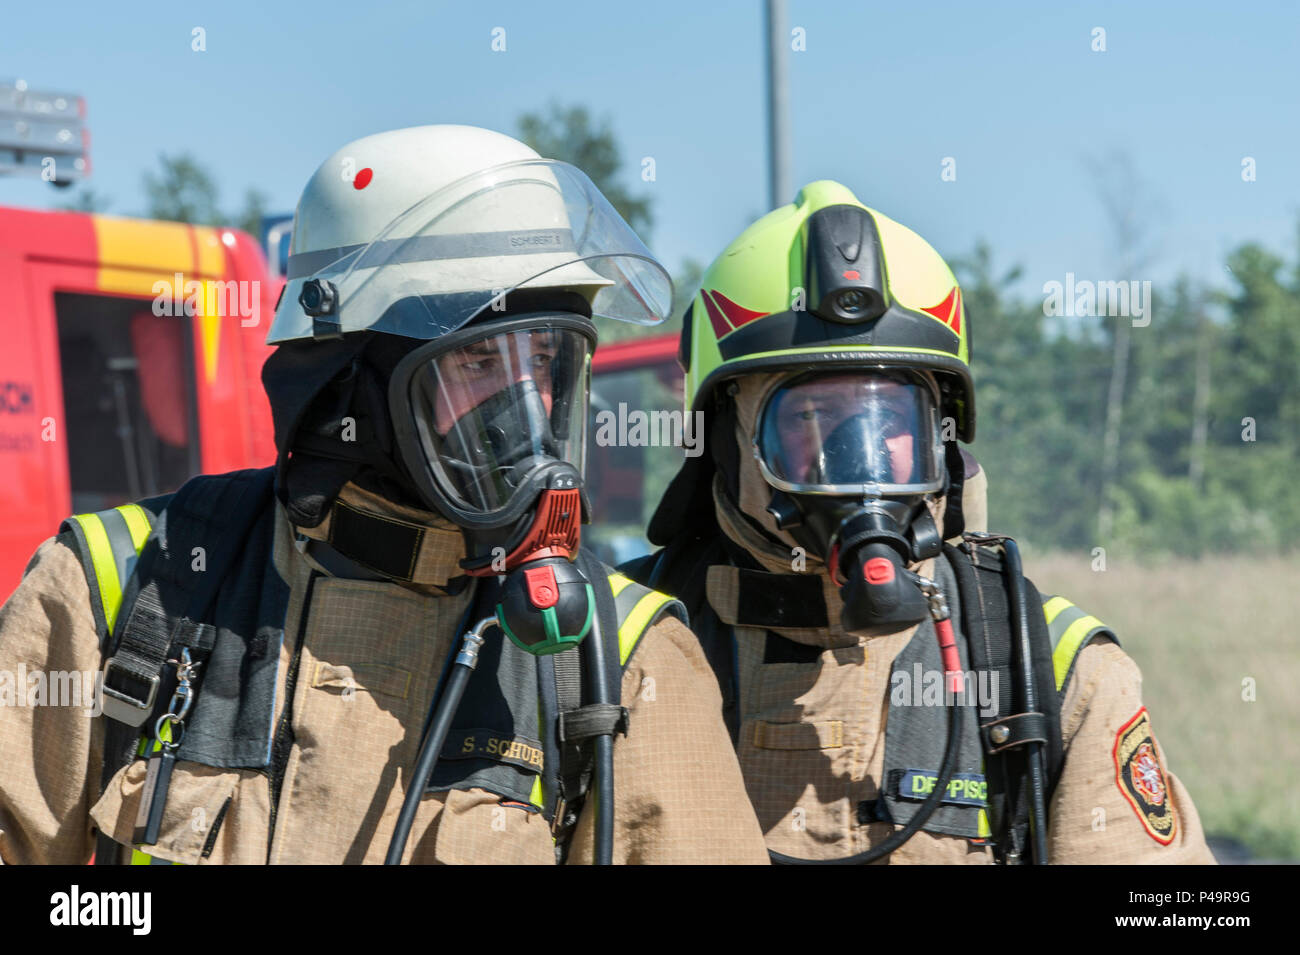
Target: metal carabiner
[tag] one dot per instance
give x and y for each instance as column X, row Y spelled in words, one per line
column 933, row 595
column 182, row 699
column 186, row 669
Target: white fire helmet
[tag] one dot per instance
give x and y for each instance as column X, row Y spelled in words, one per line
column 415, row 232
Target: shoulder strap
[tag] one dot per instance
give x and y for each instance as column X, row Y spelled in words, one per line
column 986, row 622
column 681, row 569
column 217, row 509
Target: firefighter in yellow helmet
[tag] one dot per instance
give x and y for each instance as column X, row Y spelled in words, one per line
column 390, row 646
column 895, row 691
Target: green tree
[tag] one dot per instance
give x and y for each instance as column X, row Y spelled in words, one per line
column 250, row 217
column 569, row 133
column 1032, row 429
column 86, row 200
column 182, row 191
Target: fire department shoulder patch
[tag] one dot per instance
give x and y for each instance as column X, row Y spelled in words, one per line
column 1140, row 778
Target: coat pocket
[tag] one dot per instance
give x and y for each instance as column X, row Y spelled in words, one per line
column 206, row 818
column 475, row 827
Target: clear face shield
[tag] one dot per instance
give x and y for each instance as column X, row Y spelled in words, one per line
column 482, row 418
column 466, row 247
column 863, row 433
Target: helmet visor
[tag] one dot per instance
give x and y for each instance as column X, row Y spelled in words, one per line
column 486, row 416
column 528, row 224
column 867, row 433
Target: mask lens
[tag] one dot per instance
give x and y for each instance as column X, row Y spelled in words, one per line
column 846, row 432
column 490, row 413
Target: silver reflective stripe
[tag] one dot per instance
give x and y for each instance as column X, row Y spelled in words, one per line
column 119, row 540
column 628, row 598
column 425, row 248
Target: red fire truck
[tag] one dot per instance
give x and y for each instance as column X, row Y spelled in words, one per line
column 131, row 360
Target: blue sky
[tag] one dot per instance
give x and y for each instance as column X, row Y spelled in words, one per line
column 883, row 92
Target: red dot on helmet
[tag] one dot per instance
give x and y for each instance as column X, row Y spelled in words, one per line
column 362, row 178
column 852, row 275
column 878, row 570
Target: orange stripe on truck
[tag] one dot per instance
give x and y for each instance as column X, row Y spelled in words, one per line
column 135, row 255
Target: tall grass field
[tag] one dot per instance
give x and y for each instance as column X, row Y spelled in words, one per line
column 1208, row 635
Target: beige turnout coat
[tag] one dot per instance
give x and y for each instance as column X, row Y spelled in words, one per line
column 371, row 657
column 812, row 741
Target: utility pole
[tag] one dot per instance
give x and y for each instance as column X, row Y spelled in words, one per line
column 780, row 189
column 1201, row 396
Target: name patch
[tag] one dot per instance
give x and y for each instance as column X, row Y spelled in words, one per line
column 964, row 789
column 488, row 744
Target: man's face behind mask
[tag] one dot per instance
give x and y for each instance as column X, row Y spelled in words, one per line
column 471, row 375
column 846, row 432
column 485, row 414
column 807, row 417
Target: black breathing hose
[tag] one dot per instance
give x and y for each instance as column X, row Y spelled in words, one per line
column 1037, row 788
column 462, row 669
column 600, row 692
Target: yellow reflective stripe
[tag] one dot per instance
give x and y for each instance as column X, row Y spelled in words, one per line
column 631, row 629
column 136, row 523
column 140, row 858
column 538, row 797
column 165, row 735
column 101, row 557
column 617, row 582
column 1052, row 609
column 1065, row 650
column 984, row 829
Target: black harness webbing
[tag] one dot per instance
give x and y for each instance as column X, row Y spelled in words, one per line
column 133, row 673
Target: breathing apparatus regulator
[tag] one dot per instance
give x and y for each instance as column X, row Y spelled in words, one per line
column 493, row 429
column 446, row 295
column 851, row 458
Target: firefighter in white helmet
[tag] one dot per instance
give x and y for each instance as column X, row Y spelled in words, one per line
column 394, row 647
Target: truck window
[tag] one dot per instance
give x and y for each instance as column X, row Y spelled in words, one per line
column 129, row 399
column 630, row 457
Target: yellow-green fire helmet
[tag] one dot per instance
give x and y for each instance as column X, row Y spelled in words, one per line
column 822, row 282
column 828, row 282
